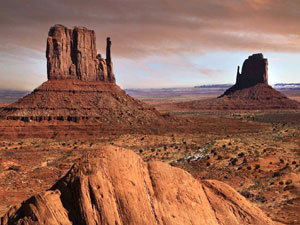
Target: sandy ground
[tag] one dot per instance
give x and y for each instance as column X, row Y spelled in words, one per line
column 257, row 153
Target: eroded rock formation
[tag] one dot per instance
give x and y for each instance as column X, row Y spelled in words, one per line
column 102, row 103
column 71, row 54
column 81, row 87
column 254, row 71
column 114, row 186
column 250, row 92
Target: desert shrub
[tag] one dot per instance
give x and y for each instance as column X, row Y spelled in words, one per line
column 257, row 166
column 276, row 174
column 288, row 182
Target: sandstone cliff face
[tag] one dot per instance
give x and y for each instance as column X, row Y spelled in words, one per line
column 114, row 186
column 71, row 54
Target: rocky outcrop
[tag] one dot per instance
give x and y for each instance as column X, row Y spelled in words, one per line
column 71, row 54
column 114, row 186
column 254, row 71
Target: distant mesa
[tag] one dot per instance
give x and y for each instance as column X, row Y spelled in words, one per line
column 115, row 186
column 81, row 87
column 250, row 92
column 71, row 54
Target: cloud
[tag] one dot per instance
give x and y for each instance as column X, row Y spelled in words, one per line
column 142, row 27
column 156, row 28
column 274, row 59
column 209, row 72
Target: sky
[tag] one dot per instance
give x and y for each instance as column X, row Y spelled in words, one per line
column 156, row 43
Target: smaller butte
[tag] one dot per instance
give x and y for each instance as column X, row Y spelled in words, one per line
column 250, row 92
column 254, row 71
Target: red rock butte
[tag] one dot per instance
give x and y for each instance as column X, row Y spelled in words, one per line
column 254, row 71
column 250, row 92
column 81, row 86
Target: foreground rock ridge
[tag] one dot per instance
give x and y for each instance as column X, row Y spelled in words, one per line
column 115, row 186
column 71, row 54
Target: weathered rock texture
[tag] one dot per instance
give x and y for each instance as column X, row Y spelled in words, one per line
column 71, row 54
column 114, row 186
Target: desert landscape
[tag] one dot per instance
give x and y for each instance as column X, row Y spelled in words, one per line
column 253, row 148
column 80, row 149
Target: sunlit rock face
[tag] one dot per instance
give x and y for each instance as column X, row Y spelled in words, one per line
column 71, row 54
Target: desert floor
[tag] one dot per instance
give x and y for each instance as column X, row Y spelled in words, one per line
column 257, row 153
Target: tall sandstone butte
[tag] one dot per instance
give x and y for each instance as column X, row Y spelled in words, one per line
column 71, row 54
column 81, row 88
column 254, row 71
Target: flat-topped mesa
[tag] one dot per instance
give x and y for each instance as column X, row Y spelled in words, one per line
column 71, row 54
column 254, row 71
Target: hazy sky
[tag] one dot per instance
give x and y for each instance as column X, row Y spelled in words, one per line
column 156, row 43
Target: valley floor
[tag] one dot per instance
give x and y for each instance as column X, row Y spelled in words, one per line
column 257, row 153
